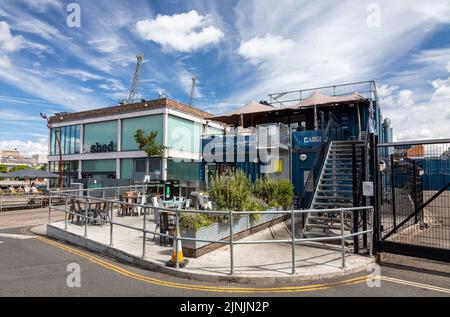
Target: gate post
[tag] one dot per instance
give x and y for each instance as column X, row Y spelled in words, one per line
column 393, row 190
column 355, row 199
column 377, row 185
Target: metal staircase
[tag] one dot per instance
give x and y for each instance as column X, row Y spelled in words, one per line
column 334, row 189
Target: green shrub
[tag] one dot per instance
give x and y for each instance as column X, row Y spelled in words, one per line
column 254, row 204
column 195, row 221
column 274, row 192
column 230, row 193
column 237, row 193
column 285, row 193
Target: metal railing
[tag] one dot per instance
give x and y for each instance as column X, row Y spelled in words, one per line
column 87, row 217
column 367, row 89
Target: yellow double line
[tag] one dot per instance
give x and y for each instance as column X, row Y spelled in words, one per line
column 219, row 289
column 154, row 281
column 414, row 284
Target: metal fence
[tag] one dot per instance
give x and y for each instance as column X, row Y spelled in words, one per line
column 414, row 213
column 112, row 207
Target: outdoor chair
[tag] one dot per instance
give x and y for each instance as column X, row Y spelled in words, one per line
column 123, row 208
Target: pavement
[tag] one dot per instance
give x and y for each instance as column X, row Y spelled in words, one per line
column 34, row 265
column 25, row 217
column 38, row 266
column 260, row 264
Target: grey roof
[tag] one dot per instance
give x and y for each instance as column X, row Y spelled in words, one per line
column 4, row 175
column 31, row 173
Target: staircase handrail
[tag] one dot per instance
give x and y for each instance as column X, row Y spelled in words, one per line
column 319, row 160
column 359, row 191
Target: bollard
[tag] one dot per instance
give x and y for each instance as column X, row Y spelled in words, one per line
column 177, row 232
column 65, row 215
column 231, row 244
column 144, row 235
column 342, row 238
column 111, row 225
column 293, row 240
column 86, row 216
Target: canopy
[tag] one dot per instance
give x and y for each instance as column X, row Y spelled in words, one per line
column 252, row 107
column 4, row 175
column 31, row 173
column 316, row 98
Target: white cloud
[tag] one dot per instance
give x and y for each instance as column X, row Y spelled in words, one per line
column 27, row 148
column 385, row 91
column 332, row 41
column 414, row 120
column 114, row 85
column 441, row 93
column 8, row 42
column 106, row 45
column 185, row 32
column 43, row 5
column 78, row 74
column 405, row 98
column 448, row 67
column 5, row 62
column 270, row 46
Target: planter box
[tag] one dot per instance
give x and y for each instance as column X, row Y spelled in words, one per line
column 242, row 226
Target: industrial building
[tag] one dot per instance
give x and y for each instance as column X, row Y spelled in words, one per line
column 100, row 144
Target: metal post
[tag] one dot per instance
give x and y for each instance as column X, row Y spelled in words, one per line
column 145, row 236
column 111, row 225
column 86, row 206
column 49, row 207
column 415, row 192
column 355, row 198
column 65, row 215
column 177, row 228
column 342, row 238
column 293, row 240
column 393, row 190
column 231, row 244
column 372, row 217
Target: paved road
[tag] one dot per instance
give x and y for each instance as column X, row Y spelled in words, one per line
column 26, row 217
column 36, row 266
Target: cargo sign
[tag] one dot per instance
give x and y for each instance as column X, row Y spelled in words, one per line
column 306, row 139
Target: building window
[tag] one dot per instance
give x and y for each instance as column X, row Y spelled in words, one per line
column 100, row 137
column 184, row 135
column 185, row 171
column 148, row 123
column 70, row 140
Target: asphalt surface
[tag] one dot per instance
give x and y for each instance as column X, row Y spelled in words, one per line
column 36, row 266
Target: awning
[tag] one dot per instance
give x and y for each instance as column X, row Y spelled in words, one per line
column 4, row 175
column 316, row 99
column 31, row 173
column 250, row 108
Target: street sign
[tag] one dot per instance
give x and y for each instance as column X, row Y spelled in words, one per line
column 368, row 189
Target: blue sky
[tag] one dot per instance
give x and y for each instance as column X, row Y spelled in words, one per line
column 237, row 50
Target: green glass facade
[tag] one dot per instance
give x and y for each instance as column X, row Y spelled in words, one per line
column 148, row 123
column 184, row 171
column 101, row 133
column 184, row 135
column 127, row 168
column 99, row 166
column 70, row 140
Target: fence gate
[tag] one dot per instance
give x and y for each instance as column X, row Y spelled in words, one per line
column 413, row 199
